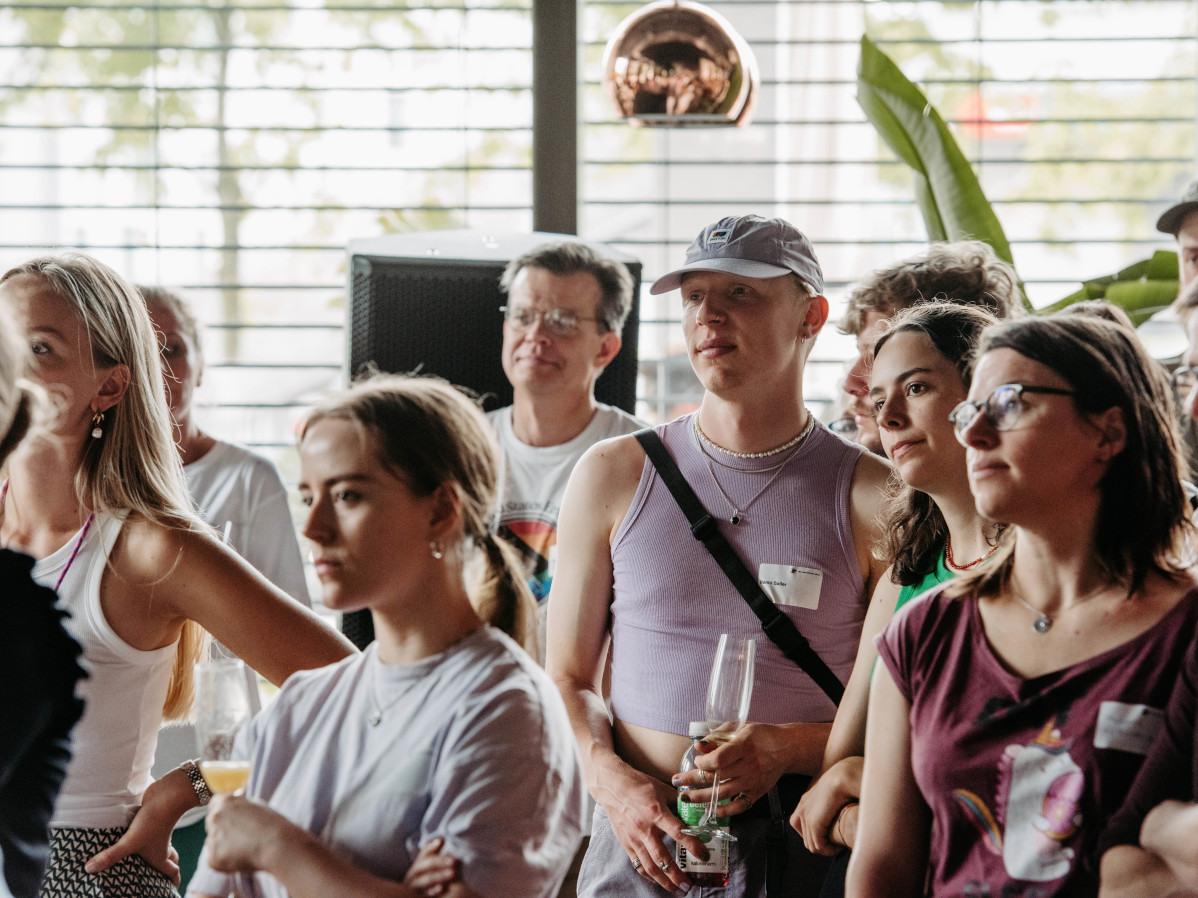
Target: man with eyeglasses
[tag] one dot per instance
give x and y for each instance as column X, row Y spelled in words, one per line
column 967, row 272
column 566, row 305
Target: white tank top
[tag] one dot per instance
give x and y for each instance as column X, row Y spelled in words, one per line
column 114, row 742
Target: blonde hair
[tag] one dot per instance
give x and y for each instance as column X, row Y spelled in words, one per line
column 162, row 298
column 134, row 467
column 429, row 434
column 17, row 397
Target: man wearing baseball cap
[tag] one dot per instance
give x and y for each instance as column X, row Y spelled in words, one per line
column 636, row 590
column 1181, row 220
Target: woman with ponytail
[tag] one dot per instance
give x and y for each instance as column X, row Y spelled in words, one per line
column 440, row 761
column 97, row 496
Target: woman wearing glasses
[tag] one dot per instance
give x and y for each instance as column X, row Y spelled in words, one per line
column 1015, row 704
column 920, row 372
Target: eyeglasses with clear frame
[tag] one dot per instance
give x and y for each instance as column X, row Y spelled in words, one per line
column 559, row 322
column 1002, row 408
column 846, row 427
column 1184, row 378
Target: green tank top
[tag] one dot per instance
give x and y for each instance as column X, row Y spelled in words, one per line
column 939, row 574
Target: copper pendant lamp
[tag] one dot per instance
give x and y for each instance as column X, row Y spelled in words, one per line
column 679, row 63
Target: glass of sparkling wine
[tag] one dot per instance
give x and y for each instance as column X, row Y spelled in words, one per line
column 222, row 707
column 729, row 693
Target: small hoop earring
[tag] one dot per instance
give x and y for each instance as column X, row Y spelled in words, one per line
column 436, row 549
column 97, row 429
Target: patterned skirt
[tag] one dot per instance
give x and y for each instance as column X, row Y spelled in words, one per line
column 70, row 849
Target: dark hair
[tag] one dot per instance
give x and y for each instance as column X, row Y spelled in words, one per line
column 568, row 257
column 914, row 527
column 430, row 434
column 966, row 272
column 1143, row 515
column 1100, row 308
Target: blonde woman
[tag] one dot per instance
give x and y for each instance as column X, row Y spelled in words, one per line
column 439, row 761
column 98, row 498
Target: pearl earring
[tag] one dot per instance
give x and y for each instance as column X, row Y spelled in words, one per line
column 435, row 548
column 97, row 430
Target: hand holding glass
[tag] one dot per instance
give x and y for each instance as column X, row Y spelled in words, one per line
column 222, row 705
column 729, row 693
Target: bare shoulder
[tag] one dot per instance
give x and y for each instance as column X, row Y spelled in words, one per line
column 870, row 475
column 605, row 479
column 867, row 498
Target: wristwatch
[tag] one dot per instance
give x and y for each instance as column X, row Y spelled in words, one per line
column 197, row 781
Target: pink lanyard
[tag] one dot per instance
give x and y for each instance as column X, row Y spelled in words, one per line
column 78, row 541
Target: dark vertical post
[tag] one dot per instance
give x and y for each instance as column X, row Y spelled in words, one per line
column 555, row 115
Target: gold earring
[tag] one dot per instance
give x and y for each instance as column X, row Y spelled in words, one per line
column 97, row 429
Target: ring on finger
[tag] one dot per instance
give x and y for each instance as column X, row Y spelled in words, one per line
column 740, row 795
column 663, row 866
column 636, row 863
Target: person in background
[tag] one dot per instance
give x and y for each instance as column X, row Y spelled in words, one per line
column 566, row 306
column 233, row 487
column 1149, row 845
column 966, row 272
column 97, row 496
column 39, row 668
column 1181, row 220
column 440, row 761
column 236, row 491
column 1015, row 704
column 796, row 503
column 920, row 373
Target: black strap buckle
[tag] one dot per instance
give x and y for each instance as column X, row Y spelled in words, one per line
column 704, row 528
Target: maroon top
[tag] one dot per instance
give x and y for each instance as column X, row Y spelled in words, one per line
column 1171, row 771
column 1020, row 774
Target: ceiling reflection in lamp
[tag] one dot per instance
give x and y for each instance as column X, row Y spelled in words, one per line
column 678, row 63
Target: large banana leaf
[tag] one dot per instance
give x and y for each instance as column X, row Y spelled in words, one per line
column 1140, row 289
column 946, row 188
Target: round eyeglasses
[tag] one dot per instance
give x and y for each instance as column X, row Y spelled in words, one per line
column 846, row 427
column 1001, row 408
column 558, row 322
column 1184, row 378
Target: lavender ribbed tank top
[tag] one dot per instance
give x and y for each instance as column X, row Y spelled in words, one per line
column 671, row 600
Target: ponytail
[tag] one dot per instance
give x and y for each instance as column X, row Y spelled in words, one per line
column 503, row 599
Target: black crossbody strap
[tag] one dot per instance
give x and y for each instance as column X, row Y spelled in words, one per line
column 778, row 627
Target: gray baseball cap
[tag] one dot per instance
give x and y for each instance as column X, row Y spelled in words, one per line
column 750, row 246
column 1170, row 221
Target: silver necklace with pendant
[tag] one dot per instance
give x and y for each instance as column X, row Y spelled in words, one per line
column 377, row 716
column 735, row 517
column 1043, row 623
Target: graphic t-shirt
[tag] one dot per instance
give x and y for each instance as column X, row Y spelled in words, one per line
column 1022, row 774
column 534, row 480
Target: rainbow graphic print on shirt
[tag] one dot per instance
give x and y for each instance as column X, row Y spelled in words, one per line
column 536, row 541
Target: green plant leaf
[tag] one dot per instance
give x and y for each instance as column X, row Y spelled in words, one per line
column 947, row 189
column 1141, row 289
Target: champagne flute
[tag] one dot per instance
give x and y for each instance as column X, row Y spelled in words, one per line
column 729, row 692
column 222, row 709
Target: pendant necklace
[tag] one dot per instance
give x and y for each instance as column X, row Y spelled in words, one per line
column 377, row 717
column 1043, row 623
column 737, row 511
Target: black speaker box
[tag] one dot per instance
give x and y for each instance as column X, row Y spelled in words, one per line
column 430, row 301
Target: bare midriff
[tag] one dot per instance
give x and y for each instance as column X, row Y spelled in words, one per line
column 650, row 751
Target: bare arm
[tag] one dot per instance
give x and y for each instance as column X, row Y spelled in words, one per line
column 597, row 497
column 245, row 836
column 894, row 831
column 191, row 576
column 839, row 781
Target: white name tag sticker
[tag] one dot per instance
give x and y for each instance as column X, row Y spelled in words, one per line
column 1126, row 727
column 787, row 584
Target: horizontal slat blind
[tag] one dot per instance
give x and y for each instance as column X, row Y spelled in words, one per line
column 1078, row 116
